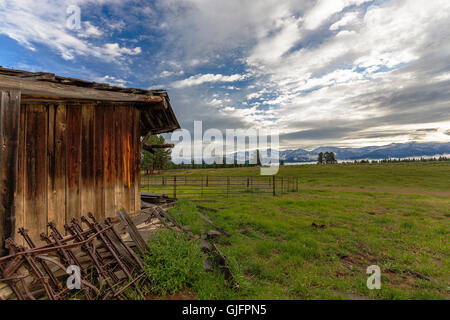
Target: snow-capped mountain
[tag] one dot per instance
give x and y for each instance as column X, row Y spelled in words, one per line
column 394, row 150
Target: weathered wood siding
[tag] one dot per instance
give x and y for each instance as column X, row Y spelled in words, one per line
column 9, row 146
column 75, row 159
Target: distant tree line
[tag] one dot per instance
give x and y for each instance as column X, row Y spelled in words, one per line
column 326, row 158
column 329, row 158
column 161, row 160
column 441, row 158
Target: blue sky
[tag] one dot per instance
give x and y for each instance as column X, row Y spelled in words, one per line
column 323, row 72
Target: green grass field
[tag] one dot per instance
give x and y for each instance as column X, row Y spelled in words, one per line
column 396, row 216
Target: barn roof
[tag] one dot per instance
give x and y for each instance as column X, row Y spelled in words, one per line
column 157, row 114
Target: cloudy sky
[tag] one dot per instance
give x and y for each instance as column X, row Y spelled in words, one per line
column 323, row 72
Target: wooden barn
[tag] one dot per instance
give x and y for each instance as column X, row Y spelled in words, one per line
column 69, row 147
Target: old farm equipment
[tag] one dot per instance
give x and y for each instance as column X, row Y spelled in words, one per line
column 106, row 267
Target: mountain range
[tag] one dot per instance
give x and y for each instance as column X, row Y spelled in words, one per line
column 394, row 150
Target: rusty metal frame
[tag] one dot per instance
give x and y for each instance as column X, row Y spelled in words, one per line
column 40, row 272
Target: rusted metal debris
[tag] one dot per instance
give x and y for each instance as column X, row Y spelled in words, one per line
column 216, row 259
column 108, row 267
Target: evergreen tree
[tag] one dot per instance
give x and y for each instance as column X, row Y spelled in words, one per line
column 146, row 161
column 158, row 160
column 331, row 158
column 320, row 158
column 326, row 156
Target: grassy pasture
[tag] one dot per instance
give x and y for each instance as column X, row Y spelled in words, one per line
column 396, row 216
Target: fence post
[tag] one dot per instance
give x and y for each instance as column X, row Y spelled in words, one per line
column 273, row 180
column 228, row 186
column 201, row 194
column 207, row 181
column 282, row 184
column 175, row 187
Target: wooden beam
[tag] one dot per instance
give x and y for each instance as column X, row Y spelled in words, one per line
column 161, row 146
column 56, row 90
column 145, row 139
column 152, row 148
column 133, row 231
column 9, row 151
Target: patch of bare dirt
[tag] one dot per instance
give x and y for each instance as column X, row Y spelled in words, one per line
column 361, row 260
column 376, row 212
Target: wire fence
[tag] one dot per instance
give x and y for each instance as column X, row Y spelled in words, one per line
column 203, row 186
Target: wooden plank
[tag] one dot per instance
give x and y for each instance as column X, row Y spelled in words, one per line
column 118, row 164
column 131, row 157
column 51, row 207
column 55, row 90
column 57, row 127
column 87, row 160
column 20, row 214
column 9, row 154
column 109, row 157
column 133, row 231
column 99, row 159
column 126, row 149
column 73, row 158
column 36, row 171
column 137, row 160
column 145, row 139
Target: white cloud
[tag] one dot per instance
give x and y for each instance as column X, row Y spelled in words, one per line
column 256, row 95
column 346, row 20
column 44, row 22
column 314, row 76
column 111, row 80
column 207, row 78
column 167, row 73
column 114, row 50
column 271, row 48
column 232, row 88
column 308, row 64
column 199, row 30
column 215, row 102
column 90, row 30
column 324, row 9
